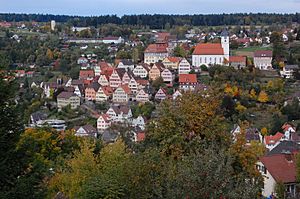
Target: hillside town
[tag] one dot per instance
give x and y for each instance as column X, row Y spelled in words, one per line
column 111, row 85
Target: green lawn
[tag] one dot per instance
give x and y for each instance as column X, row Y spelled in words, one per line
column 249, row 49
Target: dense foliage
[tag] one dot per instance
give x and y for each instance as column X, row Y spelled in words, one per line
column 160, row 21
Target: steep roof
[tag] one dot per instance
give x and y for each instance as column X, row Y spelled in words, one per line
column 86, row 73
column 282, row 167
column 174, row 59
column 187, row 78
column 94, row 85
column 209, row 49
column 272, row 139
column 126, row 88
column 105, row 117
column 285, row 147
column 263, row 53
column 89, row 129
column 107, row 90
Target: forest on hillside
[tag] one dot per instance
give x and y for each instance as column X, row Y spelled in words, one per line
column 160, row 20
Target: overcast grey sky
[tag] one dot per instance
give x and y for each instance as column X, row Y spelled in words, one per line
column 121, row 7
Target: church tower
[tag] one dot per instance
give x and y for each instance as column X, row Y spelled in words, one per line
column 225, row 43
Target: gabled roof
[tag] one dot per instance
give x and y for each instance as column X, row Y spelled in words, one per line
column 86, row 73
column 187, row 78
column 263, row 53
column 273, row 139
column 209, row 49
column 285, row 147
column 282, row 167
column 286, row 126
column 121, row 72
column 121, row 109
column 159, row 65
column 107, row 90
column 143, row 82
column 94, row 85
column 174, row 59
column 105, row 117
column 126, row 88
column 146, row 66
column 89, row 129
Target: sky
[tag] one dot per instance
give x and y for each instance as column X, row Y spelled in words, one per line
column 123, row 7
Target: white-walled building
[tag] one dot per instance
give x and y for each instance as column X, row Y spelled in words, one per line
column 212, row 53
column 184, row 67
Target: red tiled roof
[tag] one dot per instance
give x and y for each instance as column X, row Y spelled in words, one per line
column 187, row 78
column 174, row 59
column 237, row 59
column 272, row 139
column 263, row 53
column 143, row 82
column 140, row 136
column 286, row 126
column 156, row 48
column 106, row 117
column 282, row 167
column 107, row 90
column 126, row 89
column 86, row 73
column 209, row 49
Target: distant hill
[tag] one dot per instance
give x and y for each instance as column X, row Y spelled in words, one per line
column 159, row 20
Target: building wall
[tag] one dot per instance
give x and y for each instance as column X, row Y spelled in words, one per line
column 263, row 63
column 154, row 73
column 102, row 125
column 184, row 67
column 207, row 60
column 140, row 71
column 167, row 75
column 74, row 101
column 269, row 181
column 120, row 96
column 154, row 57
column 103, row 81
column 90, row 94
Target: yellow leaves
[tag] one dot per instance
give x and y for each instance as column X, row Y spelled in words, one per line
column 240, row 108
column 49, row 54
column 281, row 65
column 264, row 131
column 253, row 94
column 232, row 91
column 263, row 97
column 228, row 89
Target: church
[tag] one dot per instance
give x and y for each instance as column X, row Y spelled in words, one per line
column 212, row 53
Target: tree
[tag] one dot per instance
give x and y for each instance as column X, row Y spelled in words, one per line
column 158, row 83
column 10, row 129
column 123, row 55
column 264, row 131
column 280, row 190
column 179, row 51
column 94, row 176
column 263, row 97
column 253, row 94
